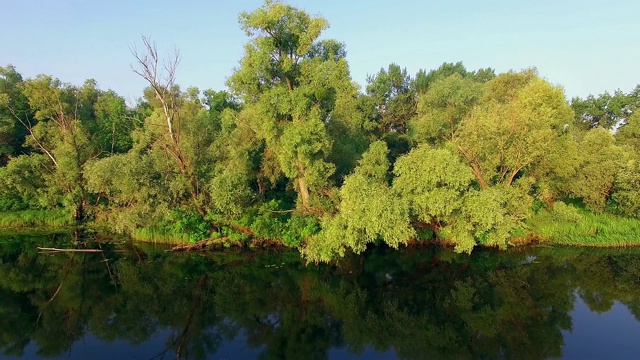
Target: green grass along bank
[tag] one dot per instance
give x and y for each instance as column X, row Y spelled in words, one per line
column 562, row 225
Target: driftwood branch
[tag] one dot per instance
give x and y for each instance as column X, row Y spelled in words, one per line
column 70, row 250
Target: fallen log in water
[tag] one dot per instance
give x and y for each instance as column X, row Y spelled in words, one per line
column 69, row 250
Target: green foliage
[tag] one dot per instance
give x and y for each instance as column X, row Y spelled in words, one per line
column 234, row 235
column 23, row 183
column 131, row 187
column 626, row 189
column 270, row 221
column 11, row 201
column 230, row 193
column 564, row 213
column 424, row 80
column 267, row 222
column 442, row 107
column 14, row 109
column 298, row 229
column 113, row 123
column 393, row 98
column 191, row 223
column 369, row 211
column 605, row 110
column 514, row 134
column 629, row 132
column 493, row 215
column 600, row 159
column 433, row 182
column 291, row 91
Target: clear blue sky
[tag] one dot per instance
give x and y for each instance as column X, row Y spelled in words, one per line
column 586, row 46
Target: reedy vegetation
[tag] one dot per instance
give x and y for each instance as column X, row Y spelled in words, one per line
column 294, row 152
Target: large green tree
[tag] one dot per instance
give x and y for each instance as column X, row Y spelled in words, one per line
column 297, row 92
column 190, row 164
column 61, row 131
column 512, row 135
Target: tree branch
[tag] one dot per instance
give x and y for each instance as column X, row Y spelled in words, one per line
column 27, row 124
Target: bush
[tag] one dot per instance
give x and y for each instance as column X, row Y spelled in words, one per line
column 562, row 212
column 299, row 228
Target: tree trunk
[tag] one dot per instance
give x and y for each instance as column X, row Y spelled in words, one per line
column 78, row 213
column 478, row 174
column 303, row 192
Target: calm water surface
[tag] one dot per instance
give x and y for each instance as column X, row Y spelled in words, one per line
column 139, row 302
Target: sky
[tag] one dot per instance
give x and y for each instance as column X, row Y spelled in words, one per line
column 587, row 46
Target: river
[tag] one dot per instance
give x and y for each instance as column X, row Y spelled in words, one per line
column 136, row 301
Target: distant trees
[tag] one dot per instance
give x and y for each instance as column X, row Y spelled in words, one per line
column 605, row 110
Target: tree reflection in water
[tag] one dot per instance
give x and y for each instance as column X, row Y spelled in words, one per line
column 418, row 303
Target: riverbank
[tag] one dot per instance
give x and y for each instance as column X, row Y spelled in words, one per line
column 564, row 226
column 578, row 227
column 35, row 221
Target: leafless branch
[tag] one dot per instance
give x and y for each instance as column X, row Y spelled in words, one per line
column 147, row 68
column 27, row 124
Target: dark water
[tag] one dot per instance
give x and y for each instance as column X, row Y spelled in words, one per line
column 139, row 302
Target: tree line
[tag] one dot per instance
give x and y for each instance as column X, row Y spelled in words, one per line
column 294, row 152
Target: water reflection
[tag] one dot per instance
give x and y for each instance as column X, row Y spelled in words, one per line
column 140, row 302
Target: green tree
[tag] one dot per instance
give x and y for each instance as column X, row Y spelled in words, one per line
column 14, row 108
column 424, row 80
column 442, row 107
column 510, row 135
column 294, row 93
column 605, row 110
column 629, row 133
column 61, row 130
column 434, row 182
column 190, row 164
column 393, row 98
column 626, row 189
column 169, row 124
column 600, row 159
column 217, row 102
column 114, row 123
column 370, row 211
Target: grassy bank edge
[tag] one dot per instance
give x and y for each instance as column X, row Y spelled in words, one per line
column 564, row 226
column 35, row 220
column 576, row 227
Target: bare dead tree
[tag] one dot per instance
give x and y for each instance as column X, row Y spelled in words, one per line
column 161, row 79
